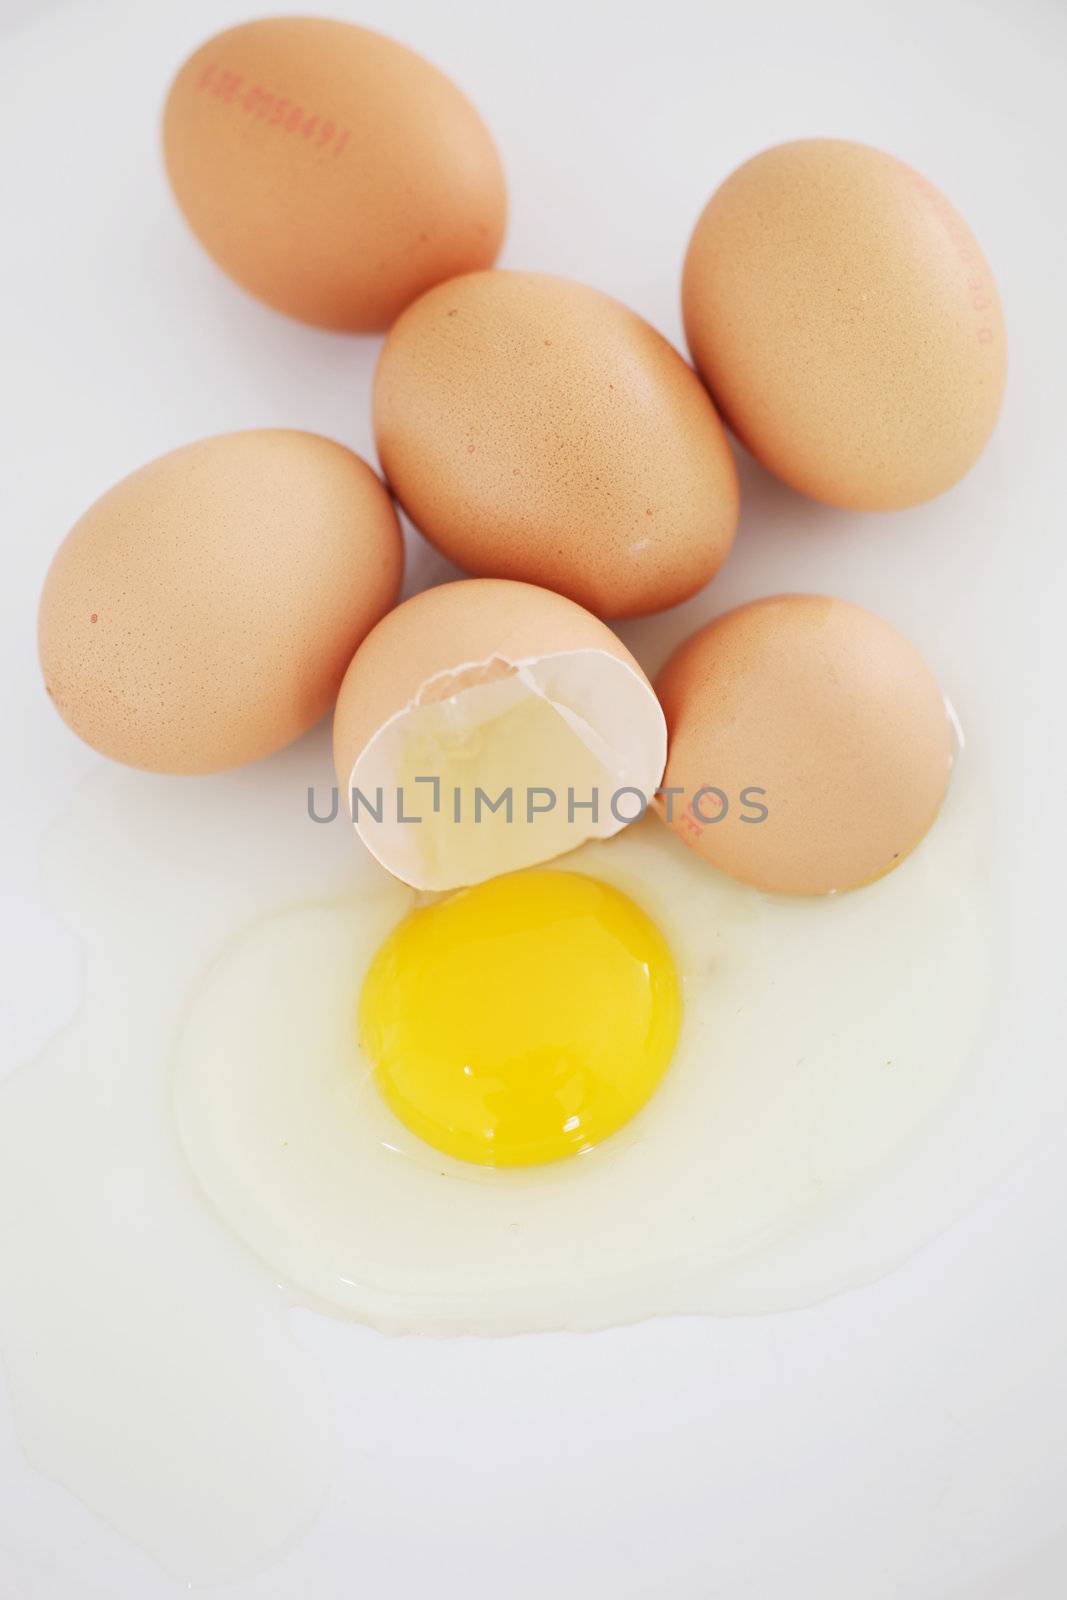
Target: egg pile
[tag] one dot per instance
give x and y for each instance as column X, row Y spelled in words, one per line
column 217, row 603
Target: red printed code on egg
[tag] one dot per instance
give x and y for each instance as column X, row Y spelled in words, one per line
column 275, row 110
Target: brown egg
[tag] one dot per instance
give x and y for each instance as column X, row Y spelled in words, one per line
column 844, row 319
column 329, row 170
column 203, row 611
column 810, row 743
column 536, row 429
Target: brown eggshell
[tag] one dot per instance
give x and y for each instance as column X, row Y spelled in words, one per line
column 832, row 715
column 330, row 171
column 444, row 629
column 539, row 430
column 203, row 612
column 847, row 325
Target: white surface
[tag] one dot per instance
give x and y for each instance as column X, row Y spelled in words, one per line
column 903, row 1440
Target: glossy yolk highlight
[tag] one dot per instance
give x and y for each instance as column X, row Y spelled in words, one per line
column 521, row 1020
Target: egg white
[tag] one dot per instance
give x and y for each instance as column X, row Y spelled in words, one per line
column 818, row 1036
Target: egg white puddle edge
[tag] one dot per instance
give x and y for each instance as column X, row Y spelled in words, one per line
column 183, row 1363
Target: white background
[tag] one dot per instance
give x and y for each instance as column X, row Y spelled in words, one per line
column 905, row 1440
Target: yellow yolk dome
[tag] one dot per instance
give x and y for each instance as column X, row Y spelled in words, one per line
column 522, row 1020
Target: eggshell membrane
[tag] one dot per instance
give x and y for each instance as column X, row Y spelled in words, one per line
column 536, row 429
column 203, row 612
column 846, row 322
column 443, row 630
column 341, row 232
column 469, row 638
column 831, row 712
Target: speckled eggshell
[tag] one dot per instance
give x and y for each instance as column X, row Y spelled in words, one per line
column 831, row 713
column 446, row 629
column 538, row 430
column 203, row 612
column 330, row 171
column 846, row 323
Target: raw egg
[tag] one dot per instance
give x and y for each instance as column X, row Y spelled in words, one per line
column 809, row 744
column 330, row 171
column 534, row 428
column 628, row 1176
column 846, row 322
column 202, row 613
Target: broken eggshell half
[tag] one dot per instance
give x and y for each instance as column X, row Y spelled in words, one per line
column 489, row 725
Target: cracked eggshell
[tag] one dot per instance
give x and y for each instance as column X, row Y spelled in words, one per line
column 536, row 429
column 832, row 716
column 847, row 324
column 330, row 171
column 202, row 613
column 476, row 651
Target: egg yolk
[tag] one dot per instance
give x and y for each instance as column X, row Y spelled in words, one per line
column 521, row 1020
